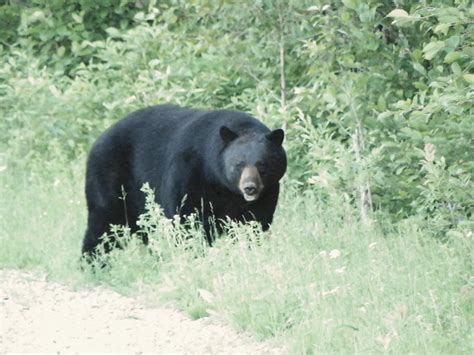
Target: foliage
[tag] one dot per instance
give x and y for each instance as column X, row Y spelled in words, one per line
column 404, row 91
column 60, row 29
column 398, row 80
column 373, row 94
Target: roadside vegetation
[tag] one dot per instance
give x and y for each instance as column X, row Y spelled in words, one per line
column 371, row 248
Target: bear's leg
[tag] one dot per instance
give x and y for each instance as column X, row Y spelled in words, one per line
column 98, row 224
column 99, row 220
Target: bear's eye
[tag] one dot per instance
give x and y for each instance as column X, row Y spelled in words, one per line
column 240, row 164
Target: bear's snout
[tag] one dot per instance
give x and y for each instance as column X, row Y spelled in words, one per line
column 250, row 189
column 250, row 183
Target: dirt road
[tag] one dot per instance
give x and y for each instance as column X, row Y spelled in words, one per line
column 37, row 315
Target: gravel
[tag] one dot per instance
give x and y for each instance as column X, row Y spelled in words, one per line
column 37, row 315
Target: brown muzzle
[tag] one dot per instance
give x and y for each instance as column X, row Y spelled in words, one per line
column 250, row 183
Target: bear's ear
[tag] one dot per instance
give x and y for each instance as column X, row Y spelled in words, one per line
column 276, row 136
column 227, row 134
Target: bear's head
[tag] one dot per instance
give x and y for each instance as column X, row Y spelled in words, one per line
column 252, row 161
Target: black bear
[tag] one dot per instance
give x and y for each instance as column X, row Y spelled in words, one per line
column 220, row 164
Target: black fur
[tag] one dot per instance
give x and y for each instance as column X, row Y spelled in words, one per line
column 181, row 152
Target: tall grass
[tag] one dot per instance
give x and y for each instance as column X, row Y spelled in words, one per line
column 319, row 281
column 42, row 220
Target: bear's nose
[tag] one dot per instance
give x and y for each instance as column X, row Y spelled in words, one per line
column 250, row 190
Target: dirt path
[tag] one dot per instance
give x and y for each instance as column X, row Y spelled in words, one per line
column 37, row 315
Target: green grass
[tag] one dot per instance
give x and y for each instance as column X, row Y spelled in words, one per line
column 320, row 281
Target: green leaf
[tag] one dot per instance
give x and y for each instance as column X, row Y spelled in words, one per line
column 400, row 170
column 113, row 32
column 398, row 13
column 452, row 42
column 60, row 51
column 77, row 18
column 313, row 8
column 401, row 18
column 351, row 4
column 381, row 103
column 442, row 28
column 139, row 16
column 432, row 48
column 470, row 13
column 384, row 115
column 420, row 86
column 329, row 98
column 449, row 15
column 456, row 69
column 417, row 53
column 469, row 78
column 419, row 68
column 468, row 51
column 452, row 57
